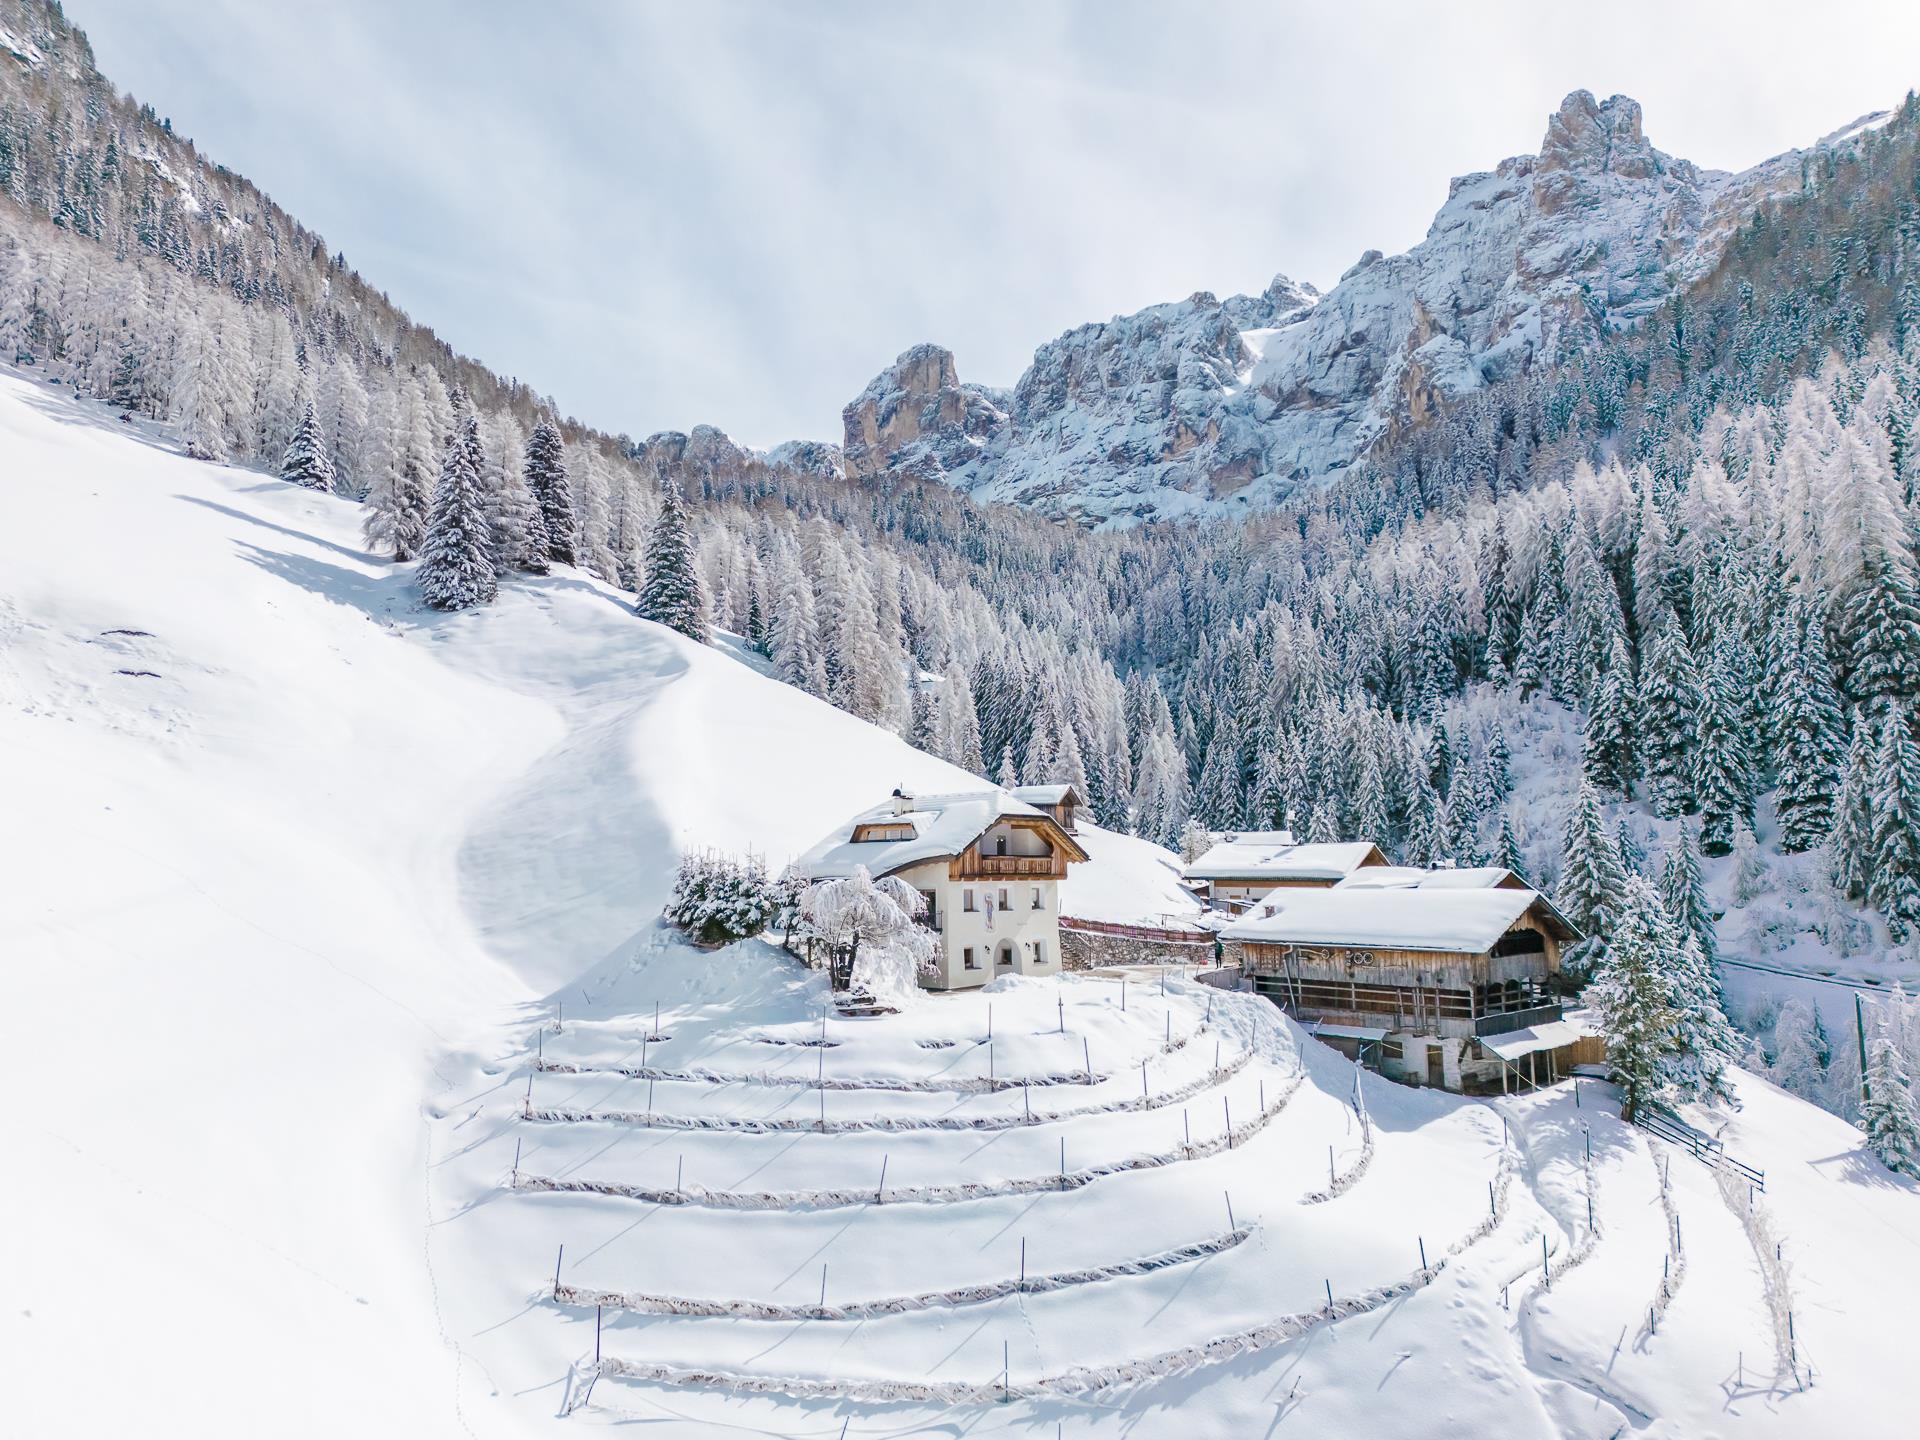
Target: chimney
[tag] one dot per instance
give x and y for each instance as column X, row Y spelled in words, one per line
column 902, row 801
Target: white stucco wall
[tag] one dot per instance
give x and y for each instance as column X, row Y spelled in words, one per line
column 1019, row 925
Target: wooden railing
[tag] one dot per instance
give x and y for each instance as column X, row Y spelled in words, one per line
column 1138, row 932
column 1036, row 865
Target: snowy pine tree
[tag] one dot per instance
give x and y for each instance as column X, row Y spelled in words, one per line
column 306, row 461
column 1609, row 747
column 455, row 569
column 546, row 474
column 1894, row 887
column 1723, row 768
column 1811, row 742
column 1633, row 997
column 670, row 592
column 1669, row 701
column 1887, row 1108
column 1593, row 884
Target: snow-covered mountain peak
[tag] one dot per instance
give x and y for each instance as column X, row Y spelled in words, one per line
column 1203, row 407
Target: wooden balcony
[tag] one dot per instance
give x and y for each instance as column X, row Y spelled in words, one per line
column 1039, row 867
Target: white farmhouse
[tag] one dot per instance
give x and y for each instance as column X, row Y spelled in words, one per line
column 989, row 865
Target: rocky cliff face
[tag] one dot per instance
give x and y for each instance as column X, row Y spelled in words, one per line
column 916, row 418
column 1206, row 407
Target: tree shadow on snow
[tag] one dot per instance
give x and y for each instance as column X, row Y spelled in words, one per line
column 287, row 530
column 384, row 599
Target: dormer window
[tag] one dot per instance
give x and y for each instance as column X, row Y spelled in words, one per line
column 889, row 830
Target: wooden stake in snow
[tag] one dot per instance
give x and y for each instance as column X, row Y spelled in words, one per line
column 1545, row 1269
column 1423, row 1252
column 1186, row 1124
column 1492, row 1208
column 989, row 1022
column 823, row 1284
column 1063, row 1160
column 1086, row 1058
column 561, row 1255
column 1216, row 1057
column 1329, row 1285
column 1232, row 1227
column 1023, row 1262
column 560, row 1020
column 1060, row 1006
column 516, row 1161
column 679, row 1176
column 1123, row 994
column 649, row 1101
column 1209, row 1006
column 1006, row 1372
column 656, row 1021
column 1227, row 1105
column 596, row 1334
column 881, row 1193
column 1143, row 1080
column 1329, row 1165
column 1026, row 1099
column 1169, row 1030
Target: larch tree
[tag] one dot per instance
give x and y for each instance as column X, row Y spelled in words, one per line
column 456, row 569
column 670, row 590
column 307, row 461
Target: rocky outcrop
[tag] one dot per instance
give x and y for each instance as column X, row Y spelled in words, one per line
column 916, row 418
column 1206, row 407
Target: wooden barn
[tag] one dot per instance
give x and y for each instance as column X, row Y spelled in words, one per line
column 1449, row 982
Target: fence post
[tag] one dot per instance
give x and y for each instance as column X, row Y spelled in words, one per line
column 556, row 1270
column 880, row 1194
column 1329, row 1285
column 1231, row 1226
column 596, row 1334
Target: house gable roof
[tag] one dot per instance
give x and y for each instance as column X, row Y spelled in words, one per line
column 943, row 826
column 1274, row 855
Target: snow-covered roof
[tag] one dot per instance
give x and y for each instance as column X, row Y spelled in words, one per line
column 1465, row 922
column 1412, row 877
column 942, row 826
column 1349, row 1032
column 1274, row 855
column 1549, row 1035
column 1043, row 795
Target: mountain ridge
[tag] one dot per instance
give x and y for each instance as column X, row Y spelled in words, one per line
column 1206, row 408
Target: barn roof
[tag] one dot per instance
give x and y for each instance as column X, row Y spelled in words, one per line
column 1274, row 855
column 1455, row 921
column 1412, row 877
column 942, row 825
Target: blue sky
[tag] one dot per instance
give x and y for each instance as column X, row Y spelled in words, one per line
column 736, row 214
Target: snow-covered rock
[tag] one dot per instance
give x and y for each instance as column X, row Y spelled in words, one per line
column 1207, row 408
column 916, row 418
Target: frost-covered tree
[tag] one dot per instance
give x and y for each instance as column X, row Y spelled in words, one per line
column 1633, row 997
column 546, row 475
column 670, row 592
column 1894, row 886
column 455, row 569
column 1801, row 1050
column 1669, row 702
column 1609, row 747
column 1810, row 726
column 1723, row 767
column 1593, row 884
column 1851, row 850
column 307, row 461
column 1887, row 1107
column 878, row 923
column 1686, row 896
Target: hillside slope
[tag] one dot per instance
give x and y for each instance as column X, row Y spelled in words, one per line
column 334, row 954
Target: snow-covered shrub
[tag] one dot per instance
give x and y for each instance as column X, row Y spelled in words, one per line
column 717, row 898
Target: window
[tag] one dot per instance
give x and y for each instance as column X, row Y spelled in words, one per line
column 863, row 834
column 1003, row 900
column 967, row 959
column 1039, row 952
column 1037, row 903
column 966, row 900
column 1000, row 844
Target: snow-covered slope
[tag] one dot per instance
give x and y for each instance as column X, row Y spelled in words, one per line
column 331, row 956
column 1209, row 408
